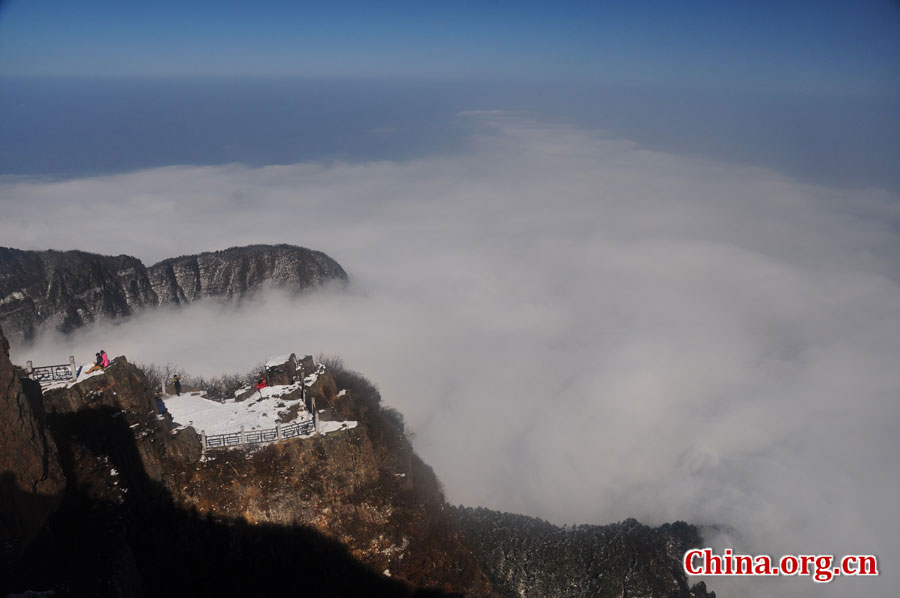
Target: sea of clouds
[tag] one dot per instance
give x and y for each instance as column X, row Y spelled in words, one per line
column 575, row 328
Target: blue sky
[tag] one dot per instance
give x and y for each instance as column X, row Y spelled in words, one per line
column 832, row 47
column 98, row 86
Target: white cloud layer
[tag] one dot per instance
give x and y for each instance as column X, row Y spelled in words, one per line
column 575, row 328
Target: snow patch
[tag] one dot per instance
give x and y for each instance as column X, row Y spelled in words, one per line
column 329, row 427
column 14, row 296
column 82, row 376
column 259, row 412
column 278, row 360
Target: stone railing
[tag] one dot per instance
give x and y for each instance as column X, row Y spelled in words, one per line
column 47, row 374
column 276, row 434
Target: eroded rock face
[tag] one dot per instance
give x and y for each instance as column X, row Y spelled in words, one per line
column 234, row 272
column 31, row 479
column 67, row 289
column 123, row 390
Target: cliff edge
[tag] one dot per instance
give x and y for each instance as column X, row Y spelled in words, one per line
column 31, row 479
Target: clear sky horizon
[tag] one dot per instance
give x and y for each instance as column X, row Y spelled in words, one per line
column 798, row 47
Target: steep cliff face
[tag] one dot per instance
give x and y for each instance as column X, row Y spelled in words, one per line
column 363, row 487
column 67, row 289
column 145, row 513
column 31, row 479
column 351, row 513
column 235, row 272
column 123, row 391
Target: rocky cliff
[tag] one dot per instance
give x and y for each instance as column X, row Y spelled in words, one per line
column 350, row 513
column 236, row 272
column 67, row 289
column 31, row 479
column 353, row 513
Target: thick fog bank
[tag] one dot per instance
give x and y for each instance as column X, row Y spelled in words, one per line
column 574, row 327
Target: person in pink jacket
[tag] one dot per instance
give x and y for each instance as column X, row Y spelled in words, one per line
column 105, row 358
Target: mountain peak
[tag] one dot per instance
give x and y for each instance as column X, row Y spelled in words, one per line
column 68, row 289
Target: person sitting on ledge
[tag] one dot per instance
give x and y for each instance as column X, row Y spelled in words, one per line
column 98, row 364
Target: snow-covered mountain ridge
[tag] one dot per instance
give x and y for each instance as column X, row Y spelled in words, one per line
column 67, row 289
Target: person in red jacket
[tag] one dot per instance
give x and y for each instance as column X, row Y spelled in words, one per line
column 261, row 381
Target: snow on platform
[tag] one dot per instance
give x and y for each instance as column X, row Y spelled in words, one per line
column 259, row 412
column 82, row 376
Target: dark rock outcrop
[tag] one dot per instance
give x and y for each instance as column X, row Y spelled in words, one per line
column 31, row 479
column 280, row 372
column 123, row 389
column 67, row 289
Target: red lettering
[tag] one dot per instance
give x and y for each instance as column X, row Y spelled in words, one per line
column 805, row 561
column 763, row 566
column 703, row 562
column 689, row 557
column 743, row 565
column 714, row 565
column 727, row 558
column 789, row 565
column 868, row 565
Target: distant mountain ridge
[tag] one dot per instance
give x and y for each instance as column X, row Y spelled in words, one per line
column 624, row 559
column 68, row 289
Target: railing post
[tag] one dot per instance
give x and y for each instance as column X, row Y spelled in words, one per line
column 30, row 367
column 72, row 365
column 243, row 436
column 278, row 431
column 315, row 413
column 203, row 440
